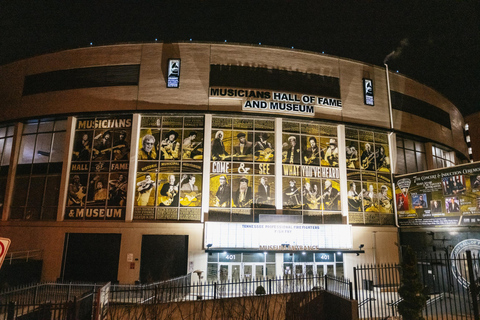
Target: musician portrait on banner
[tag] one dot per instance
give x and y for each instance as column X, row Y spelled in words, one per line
column 223, row 194
column 475, row 182
column 169, row 193
column 218, row 147
column 263, row 148
column 436, row 206
column 354, row 199
column 419, row 201
column 102, row 146
column 243, row 196
column 351, row 154
column 192, row 148
column 170, row 147
column 369, row 198
column 292, row 197
column 368, row 158
column 144, row 189
column 76, row 192
column 82, row 148
column 189, row 195
column 147, row 151
column 243, row 150
column 381, row 159
column 402, row 201
column 263, row 194
column 311, row 196
column 452, row 205
column 331, row 153
column 384, row 201
column 291, row 151
column 97, row 191
column 312, row 154
column 121, row 147
column 330, row 196
column 118, row 191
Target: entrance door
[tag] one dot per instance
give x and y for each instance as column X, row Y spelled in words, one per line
column 229, row 272
column 253, row 271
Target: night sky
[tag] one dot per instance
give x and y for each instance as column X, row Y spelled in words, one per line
column 435, row 42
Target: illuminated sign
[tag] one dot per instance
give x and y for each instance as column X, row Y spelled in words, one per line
column 173, row 76
column 278, row 237
column 368, row 92
column 276, row 102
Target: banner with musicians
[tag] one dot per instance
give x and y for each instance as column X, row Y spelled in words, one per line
column 97, row 187
column 242, row 181
column 443, row 197
column 310, row 183
column 169, row 169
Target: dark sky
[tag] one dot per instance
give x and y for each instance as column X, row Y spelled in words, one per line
column 443, row 37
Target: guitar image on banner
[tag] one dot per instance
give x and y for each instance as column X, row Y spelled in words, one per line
column 330, row 204
column 169, row 191
column 189, row 198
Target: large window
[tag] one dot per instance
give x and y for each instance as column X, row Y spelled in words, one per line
column 410, row 156
column 37, row 180
column 442, row 158
column 6, row 138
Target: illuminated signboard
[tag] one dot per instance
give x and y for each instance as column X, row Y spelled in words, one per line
column 443, row 197
column 368, row 92
column 277, row 237
column 173, row 77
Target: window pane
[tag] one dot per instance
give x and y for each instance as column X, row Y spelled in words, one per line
column 10, row 131
column 26, row 149
column 52, row 191
column 19, row 194
column 400, row 161
column 410, row 160
column 2, row 143
column 49, row 213
column 399, row 142
column 35, row 194
column 408, row 144
column 3, row 130
column 61, row 125
column 421, row 161
column 57, row 148
column 7, row 152
column 419, row 146
column 43, row 145
column 45, row 126
column 30, row 127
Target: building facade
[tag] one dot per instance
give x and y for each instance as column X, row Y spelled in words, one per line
column 146, row 161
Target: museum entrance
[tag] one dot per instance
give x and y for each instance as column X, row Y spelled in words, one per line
column 238, row 266
column 311, row 264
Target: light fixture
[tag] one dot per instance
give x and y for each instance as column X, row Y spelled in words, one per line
column 304, row 253
column 361, row 246
column 209, row 245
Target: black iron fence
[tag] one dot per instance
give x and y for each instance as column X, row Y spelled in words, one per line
column 447, row 285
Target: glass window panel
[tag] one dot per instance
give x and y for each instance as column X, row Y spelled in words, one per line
column 408, row 144
column 16, row 213
column 213, row 257
column 401, row 161
column 410, row 161
column 2, row 143
column 32, row 213
column 303, row 257
column 421, row 161
column 270, row 271
column 212, row 272
column 49, row 213
column 45, row 126
column 26, row 149
column 270, row 257
column 7, row 152
column 43, row 146
column 57, row 147
column 30, row 127
column 10, row 131
column 254, row 257
column 339, row 267
column 288, row 257
column 35, row 194
column 3, row 131
column 52, row 191
column 19, row 194
column 419, row 146
column 399, row 142
column 61, row 125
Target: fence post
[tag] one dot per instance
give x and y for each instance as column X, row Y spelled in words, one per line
column 355, row 282
column 215, row 290
column 325, row 280
column 269, row 286
column 11, row 311
column 350, row 288
column 473, row 286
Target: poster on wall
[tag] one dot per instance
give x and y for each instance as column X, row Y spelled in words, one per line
column 97, row 187
column 449, row 196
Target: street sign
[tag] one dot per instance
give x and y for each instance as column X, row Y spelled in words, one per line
column 4, row 244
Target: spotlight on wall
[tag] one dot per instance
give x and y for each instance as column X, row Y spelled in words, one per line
column 358, row 254
column 209, row 245
column 361, row 246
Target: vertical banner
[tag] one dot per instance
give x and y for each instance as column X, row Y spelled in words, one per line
column 98, row 182
column 449, row 196
column 173, row 76
column 368, row 92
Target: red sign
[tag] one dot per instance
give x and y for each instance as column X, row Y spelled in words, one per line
column 4, row 244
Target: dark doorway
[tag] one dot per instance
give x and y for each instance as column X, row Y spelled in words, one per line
column 163, row 257
column 91, row 257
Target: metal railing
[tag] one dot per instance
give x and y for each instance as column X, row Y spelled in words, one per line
column 23, row 256
column 450, row 293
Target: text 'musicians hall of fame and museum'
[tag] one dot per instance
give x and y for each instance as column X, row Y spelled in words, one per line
column 449, row 196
